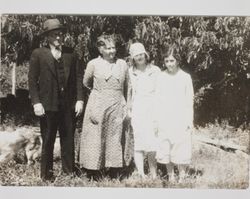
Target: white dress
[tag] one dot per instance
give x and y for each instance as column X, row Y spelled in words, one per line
column 142, row 120
column 174, row 115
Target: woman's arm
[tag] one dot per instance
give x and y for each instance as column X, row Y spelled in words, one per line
column 128, row 89
column 156, row 103
column 88, row 76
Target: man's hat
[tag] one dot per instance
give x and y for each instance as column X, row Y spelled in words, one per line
column 52, row 24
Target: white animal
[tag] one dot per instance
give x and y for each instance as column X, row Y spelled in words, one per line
column 57, row 150
column 23, row 139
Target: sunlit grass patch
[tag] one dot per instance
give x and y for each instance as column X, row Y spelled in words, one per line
column 212, row 167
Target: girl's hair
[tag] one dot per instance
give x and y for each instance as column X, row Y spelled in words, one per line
column 174, row 51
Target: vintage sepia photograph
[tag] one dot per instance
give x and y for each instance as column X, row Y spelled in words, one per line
column 137, row 101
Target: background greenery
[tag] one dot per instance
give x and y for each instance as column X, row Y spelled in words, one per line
column 215, row 51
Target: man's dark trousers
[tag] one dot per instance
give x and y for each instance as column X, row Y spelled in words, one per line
column 62, row 120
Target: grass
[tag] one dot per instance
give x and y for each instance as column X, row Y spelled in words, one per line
column 211, row 167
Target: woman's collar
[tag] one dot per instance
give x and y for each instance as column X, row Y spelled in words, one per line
column 148, row 71
column 101, row 58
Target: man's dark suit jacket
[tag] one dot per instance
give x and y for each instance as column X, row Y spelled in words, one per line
column 42, row 75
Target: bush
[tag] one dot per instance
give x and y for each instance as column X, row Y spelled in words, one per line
column 215, row 51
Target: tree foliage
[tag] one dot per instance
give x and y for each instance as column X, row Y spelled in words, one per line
column 214, row 50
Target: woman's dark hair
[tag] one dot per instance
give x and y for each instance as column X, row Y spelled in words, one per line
column 174, row 51
column 101, row 40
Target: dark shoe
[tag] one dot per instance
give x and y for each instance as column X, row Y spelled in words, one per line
column 95, row 175
column 115, row 173
column 79, row 172
column 48, row 179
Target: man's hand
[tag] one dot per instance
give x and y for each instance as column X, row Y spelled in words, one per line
column 79, row 107
column 38, row 109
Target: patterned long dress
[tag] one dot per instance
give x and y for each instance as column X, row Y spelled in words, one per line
column 102, row 139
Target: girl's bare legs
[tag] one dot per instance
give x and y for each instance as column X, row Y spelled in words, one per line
column 139, row 162
column 170, row 170
column 152, row 164
column 182, row 171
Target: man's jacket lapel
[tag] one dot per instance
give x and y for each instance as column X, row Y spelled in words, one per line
column 50, row 61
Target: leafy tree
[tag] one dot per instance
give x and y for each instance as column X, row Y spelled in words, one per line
column 215, row 51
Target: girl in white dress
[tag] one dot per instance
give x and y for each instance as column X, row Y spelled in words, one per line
column 174, row 113
column 143, row 77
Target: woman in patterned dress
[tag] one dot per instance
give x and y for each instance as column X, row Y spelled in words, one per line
column 102, row 139
column 143, row 78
